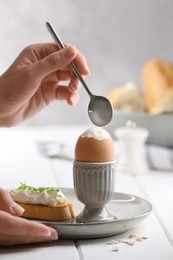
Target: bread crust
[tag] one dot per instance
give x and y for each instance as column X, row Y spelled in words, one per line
column 157, row 80
column 61, row 212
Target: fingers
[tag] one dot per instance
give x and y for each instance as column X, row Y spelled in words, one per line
column 63, row 93
column 74, row 84
column 7, row 203
column 8, row 240
column 56, row 67
column 55, row 61
column 59, row 60
column 81, row 63
column 21, row 226
column 69, row 93
column 16, row 230
column 73, row 99
column 52, row 92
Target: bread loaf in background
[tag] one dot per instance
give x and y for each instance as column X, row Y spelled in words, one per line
column 127, row 98
column 157, row 81
column 156, row 94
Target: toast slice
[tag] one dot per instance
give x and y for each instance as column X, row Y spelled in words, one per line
column 63, row 211
column 44, row 203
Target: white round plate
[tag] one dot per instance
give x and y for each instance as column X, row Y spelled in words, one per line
column 131, row 210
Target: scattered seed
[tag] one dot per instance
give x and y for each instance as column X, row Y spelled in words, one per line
column 132, row 238
column 117, row 217
column 116, row 249
column 139, row 239
column 144, row 237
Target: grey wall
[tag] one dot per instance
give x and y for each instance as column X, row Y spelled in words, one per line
column 116, row 36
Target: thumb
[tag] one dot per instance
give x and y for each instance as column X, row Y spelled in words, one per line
column 56, row 61
column 8, row 204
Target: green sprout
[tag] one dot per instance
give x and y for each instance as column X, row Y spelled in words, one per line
column 23, row 186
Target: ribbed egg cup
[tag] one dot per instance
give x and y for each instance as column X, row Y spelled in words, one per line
column 94, row 185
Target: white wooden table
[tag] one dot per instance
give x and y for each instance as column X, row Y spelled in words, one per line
column 21, row 161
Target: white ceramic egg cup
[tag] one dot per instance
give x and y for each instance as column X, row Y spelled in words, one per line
column 94, row 185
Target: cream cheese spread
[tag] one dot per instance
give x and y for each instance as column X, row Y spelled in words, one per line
column 50, row 197
column 96, row 133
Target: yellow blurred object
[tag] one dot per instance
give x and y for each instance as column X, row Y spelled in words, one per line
column 157, row 80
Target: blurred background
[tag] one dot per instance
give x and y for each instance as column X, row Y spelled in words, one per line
column 116, row 36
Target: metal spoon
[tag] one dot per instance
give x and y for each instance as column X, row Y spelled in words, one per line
column 100, row 110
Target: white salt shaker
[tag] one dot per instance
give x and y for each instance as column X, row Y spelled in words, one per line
column 131, row 159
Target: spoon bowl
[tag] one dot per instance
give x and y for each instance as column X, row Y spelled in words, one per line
column 100, row 110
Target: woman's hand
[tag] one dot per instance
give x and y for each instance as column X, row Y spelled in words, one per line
column 34, row 80
column 15, row 230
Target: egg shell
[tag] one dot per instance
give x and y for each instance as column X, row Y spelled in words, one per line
column 94, row 150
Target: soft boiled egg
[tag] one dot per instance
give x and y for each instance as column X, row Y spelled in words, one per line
column 94, row 145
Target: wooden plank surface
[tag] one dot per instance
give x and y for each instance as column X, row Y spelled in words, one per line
column 20, row 160
column 60, row 249
column 158, row 187
column 155, row 247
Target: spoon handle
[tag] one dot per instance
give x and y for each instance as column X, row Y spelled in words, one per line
column 61, row 46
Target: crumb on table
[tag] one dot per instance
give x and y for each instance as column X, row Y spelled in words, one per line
column 130, row 241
